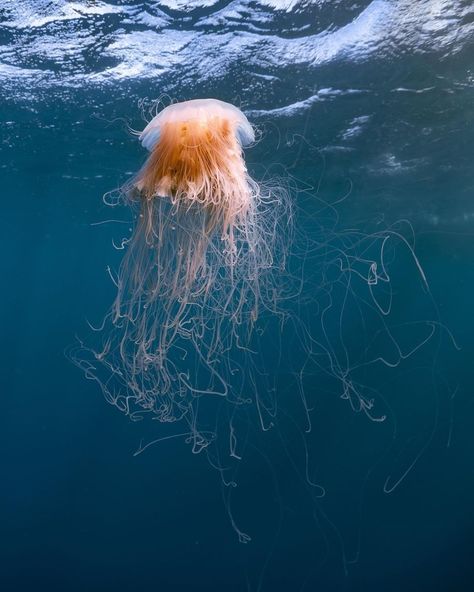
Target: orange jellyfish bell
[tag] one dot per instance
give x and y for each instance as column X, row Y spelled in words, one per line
column 196, row 158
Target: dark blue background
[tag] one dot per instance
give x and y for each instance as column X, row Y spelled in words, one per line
column 77, row 510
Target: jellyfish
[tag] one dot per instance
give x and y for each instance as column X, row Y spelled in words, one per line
column 220, row 293
column 204, row 265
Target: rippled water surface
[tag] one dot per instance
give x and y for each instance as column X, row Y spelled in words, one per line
column 365, row 110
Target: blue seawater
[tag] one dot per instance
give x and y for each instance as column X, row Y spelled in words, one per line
column 367, row 108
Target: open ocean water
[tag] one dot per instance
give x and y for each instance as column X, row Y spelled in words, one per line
column 365, row 110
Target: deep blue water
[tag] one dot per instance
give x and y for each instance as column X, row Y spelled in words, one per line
column 364, row 105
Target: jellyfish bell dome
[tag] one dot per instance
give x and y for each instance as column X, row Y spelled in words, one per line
column 196, row 157
column 205, row 111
